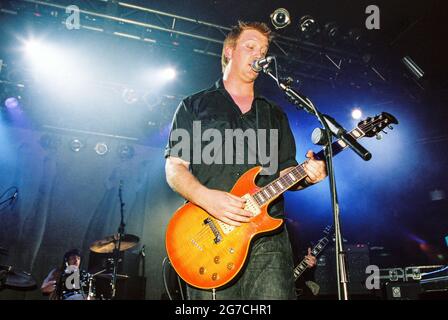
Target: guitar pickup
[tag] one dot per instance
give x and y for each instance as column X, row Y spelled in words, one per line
column 218, row 237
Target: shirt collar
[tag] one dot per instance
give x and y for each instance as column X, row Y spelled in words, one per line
column 219, row 86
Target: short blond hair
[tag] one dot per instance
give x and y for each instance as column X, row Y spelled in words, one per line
column 234, row 34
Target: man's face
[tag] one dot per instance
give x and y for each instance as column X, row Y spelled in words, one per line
column 250, row 46
column 74, row 261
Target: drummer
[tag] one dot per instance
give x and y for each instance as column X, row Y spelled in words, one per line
column 55, row 285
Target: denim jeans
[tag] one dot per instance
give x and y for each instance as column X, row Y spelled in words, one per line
column 268, row 273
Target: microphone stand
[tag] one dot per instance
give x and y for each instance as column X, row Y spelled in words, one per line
column 11, row 199
column 118, row 242
column 331, row 127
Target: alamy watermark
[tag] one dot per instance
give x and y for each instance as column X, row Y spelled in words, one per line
column 72, row 281
column 373, row 20
column 207, row 146
column 373, row 278
column 73, row 20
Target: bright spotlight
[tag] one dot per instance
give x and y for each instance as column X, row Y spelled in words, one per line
column 168, row 74
column 356, row 114
column 38, row 52
column 32, row 46
column 48, row 59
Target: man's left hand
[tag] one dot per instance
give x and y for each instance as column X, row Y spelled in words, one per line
column 315, row 169
column 310, row 259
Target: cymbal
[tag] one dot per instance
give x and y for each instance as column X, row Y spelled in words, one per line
column 107, row 244
column 109, row 276
column 19, row 279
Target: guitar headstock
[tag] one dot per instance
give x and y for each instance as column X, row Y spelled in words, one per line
column 372, row 126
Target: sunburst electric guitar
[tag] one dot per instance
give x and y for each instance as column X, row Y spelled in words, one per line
column 208, row 253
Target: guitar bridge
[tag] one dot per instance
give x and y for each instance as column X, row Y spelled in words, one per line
column 209, row 222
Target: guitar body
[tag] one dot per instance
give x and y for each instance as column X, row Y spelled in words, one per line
column 206, row 253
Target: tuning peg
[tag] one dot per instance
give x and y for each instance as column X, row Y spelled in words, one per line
column 385, row 132
column 390, row 127
column 379, row 136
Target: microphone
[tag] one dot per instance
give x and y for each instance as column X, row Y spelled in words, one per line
column 259, row 64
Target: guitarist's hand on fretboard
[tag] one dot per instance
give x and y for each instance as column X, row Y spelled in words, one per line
column 315, row 169
column 225, row 207
column 310, row 259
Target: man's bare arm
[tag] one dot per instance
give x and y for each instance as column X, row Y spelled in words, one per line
column 222, row 205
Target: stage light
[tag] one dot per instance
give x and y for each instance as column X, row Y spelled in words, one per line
column 355, row 36
column 58, row 65
column 280, row 18
column 12, row 102
column 332, row 31
column 76, row 145
column 33, row 47
column 125, row 151
column 356, row 114
column 308, row 27
column 50, row 142
column 130, row 96
column 101, row 148
column 152, row 99
column 168, row 74
column 43, row 56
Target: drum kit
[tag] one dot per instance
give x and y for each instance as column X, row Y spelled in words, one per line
column 87, row 288
column 21, row 280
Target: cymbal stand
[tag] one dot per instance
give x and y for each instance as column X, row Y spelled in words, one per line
column 117, row 242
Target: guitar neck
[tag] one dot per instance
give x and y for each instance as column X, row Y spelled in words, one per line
column 295, row 175
column 302, row 266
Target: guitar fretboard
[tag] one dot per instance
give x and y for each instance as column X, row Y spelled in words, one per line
column 293, row 176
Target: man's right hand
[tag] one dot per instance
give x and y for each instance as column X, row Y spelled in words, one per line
column 225, row 206
column 48, row 287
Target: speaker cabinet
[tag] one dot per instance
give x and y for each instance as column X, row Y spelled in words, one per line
column 357, row 260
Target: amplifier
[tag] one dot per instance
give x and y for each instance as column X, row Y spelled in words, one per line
column 357, row 260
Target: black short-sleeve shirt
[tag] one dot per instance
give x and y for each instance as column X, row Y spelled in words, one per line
column 215, row 109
